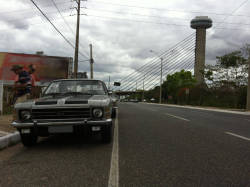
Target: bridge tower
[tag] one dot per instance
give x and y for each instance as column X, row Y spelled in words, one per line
column 200, row 23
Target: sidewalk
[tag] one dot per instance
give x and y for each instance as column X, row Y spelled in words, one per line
column 8, row 134
column 215, row 109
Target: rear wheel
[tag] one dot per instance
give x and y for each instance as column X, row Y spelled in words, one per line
column 107, row 134
column 28, row 139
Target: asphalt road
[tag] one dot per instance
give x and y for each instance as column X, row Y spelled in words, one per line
column 156, row 146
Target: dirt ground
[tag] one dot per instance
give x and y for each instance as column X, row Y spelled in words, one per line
column 5, row 125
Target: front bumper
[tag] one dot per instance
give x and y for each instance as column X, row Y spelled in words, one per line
column 55, row 123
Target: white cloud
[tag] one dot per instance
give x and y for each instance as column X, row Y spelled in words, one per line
column 119, row 44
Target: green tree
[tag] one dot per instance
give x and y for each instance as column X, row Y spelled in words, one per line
column 176, row 85
column 227, row 79
column 230, row 70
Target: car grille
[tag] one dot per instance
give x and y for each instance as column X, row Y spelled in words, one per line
column 61, row 113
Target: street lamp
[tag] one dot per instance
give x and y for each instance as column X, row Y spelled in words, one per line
column 161, row 74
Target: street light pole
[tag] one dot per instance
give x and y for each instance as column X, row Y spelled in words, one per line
column 161, row 82
column 160, row 95
column 143, row 88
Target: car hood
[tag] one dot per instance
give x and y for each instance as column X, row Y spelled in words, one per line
column 64, row 101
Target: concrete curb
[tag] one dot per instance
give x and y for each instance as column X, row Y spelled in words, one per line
column 200, row 108
column 10, row 139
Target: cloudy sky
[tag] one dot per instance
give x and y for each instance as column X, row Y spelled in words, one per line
column 122, row 31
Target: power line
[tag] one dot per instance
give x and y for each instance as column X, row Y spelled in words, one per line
column 149, row 22
column 65, row 21
column 33, row 16
column 243, row 3
column 123, row 13
column 157, row 23
column 140, row 21
column 47, row 13
column 62, row 16
column 154, row 16
column 37, row 23
column 29, row 10
column 52, row 24
column 55, row 26
column 163, row 9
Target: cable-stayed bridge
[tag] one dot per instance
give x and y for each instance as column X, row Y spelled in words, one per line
column 180, row 56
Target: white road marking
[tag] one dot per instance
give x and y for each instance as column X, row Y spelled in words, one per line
column 114, row 165
column 177, row 117
column 238, row 136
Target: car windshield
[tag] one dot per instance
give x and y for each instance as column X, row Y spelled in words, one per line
column 76, row 87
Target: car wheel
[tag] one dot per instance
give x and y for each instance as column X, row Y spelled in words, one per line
column 28, row 139
column 107, row 134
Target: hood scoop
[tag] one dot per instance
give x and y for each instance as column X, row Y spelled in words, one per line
column 76, row 102
column 46, row 103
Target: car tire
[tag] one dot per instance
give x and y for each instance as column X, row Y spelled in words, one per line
column 113, row 113
column 28, row 139
column 107, row 134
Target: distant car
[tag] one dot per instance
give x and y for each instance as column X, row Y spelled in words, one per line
column 134, row 100
column 66, row 106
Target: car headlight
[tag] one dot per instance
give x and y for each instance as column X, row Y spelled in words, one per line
column 97, row 112
column 25, row 115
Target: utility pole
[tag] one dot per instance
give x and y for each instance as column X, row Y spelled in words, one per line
column 91, row 62
column 161, row 83
column 109, row 82
column 77, row 38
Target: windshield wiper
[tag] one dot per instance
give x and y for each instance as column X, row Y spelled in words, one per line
column 76, row 93
column 53, row 93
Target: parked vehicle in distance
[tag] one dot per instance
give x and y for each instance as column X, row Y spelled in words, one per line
column 134, row 100
column 66, row 106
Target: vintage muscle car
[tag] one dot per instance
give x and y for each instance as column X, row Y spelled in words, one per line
column 78, row 106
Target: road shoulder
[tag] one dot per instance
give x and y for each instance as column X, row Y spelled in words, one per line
column 8, row 135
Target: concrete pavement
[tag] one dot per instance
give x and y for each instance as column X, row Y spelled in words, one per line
column 182, row 147
column 155, row 146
